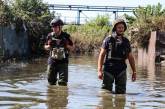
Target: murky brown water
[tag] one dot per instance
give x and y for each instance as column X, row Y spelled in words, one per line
column 24, row 86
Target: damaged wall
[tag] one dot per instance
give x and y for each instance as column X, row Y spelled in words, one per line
column 13, row 44
column 156, row 49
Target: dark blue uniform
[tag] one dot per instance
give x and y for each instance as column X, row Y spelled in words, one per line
column 114, row 66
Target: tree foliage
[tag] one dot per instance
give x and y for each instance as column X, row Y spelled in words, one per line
column 32, row 14
column 5, row 14
column 145, row 20
column 31, row 10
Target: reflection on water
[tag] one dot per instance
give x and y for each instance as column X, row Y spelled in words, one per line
column 57, row 97
column 24, row 85
column 112, row 101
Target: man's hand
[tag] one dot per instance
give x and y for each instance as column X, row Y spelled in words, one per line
column 134, row 76
column 100, row 75
column 48, row 45
column 49, row 42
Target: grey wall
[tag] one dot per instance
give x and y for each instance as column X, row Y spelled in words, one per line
column 13, row 44
column 160, row 43
column 1, row 41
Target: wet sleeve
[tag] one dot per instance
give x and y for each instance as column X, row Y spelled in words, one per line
column 105, row 43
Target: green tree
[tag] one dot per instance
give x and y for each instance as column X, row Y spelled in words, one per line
column 5, row 14
column 145, row 20
column 36, row 16
column 31, row 10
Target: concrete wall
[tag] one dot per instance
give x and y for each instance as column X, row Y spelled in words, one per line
column 1, row 42
column 156, row 48
column 147, row 57
column 13, row 44
column 160, row 43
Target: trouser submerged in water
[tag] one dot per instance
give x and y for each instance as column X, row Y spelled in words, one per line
column 57, row 70
column 118, row 77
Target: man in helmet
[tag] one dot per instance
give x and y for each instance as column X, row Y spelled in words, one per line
column 115, row 50
column 59, row 44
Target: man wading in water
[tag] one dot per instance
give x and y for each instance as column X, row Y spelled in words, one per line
column 116, row 49
column 59, row 44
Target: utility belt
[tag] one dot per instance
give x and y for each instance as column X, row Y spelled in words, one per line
column 58, row 53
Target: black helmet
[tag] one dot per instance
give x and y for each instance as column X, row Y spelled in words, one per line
column 56, row 22
column 117, row 21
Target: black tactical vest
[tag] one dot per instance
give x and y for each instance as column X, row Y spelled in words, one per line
column 59, row 47
column 117, row 52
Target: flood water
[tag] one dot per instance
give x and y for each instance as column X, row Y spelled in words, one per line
column 24, row 86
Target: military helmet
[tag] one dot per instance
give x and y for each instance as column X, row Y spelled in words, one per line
column 117, row 21
column 56, row 22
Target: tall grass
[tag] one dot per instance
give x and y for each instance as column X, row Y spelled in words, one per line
column 89, row 36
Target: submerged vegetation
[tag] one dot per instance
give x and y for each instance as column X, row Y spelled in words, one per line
column 35, row 15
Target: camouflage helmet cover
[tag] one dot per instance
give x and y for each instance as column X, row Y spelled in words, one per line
column 117, row 21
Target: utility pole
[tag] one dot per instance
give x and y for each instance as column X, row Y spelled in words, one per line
column 78, row 17
column 114, row 12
